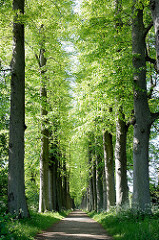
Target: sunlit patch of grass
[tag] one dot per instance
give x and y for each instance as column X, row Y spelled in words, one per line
column 124, row 225
column 26, row 229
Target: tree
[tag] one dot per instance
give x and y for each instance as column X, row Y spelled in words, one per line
column 121, row 125
column 109, row 168
column 44, row 156
column 143, row 117
column 99, row 175
column 16, row 188
column 121, row 161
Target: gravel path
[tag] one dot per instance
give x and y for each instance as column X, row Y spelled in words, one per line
column 76, row 226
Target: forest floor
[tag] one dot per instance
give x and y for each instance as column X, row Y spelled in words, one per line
column 76, row 226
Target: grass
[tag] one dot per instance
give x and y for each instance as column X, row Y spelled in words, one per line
column 124, row 225
column 26, row 229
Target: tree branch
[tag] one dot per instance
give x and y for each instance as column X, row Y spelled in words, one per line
column 153, row 85
column 4, row 70
column 157, row 129
column 151, row 60
column 55, row 4
column 148, row 29
column 154, row 116
column 38, row 60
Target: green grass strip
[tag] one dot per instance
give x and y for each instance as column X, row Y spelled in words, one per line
column 125, row 225
column 26, row 229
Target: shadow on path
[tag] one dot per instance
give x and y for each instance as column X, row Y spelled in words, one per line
column 76, row 226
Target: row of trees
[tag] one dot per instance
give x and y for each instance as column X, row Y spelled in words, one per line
column 78, row 112
column 118, row 91
column 38, row 57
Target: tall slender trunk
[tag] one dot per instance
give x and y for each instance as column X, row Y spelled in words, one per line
column 99, row 183
column 121, row 127
column 50, row 188
column 141, row 194
column 67, row 201
column 59, row 187
column 94, row 184
column 84, row 203
column 121, row 161
column 104, row 190
column 90, row 185
column 44, row 159
column 16, row 186
column 90, row 195
column 54, row 162
column 65, row 193
column 109, row 168
column 44, row 156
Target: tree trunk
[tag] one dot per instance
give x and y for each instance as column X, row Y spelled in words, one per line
column 141, row 194
column 99, row 183
column 44, row 162
column 90, row 187
column 54, row 162
column 50, row 187
column 16, row 187
column 44, row 156
column 90, row 196
column 65, row 193
column 121, row 161
column 154, row 4
column 121, row 129
column 109, row 168
column 94, row 184
column 59, row 187
column 84, row 203
column 104, row 190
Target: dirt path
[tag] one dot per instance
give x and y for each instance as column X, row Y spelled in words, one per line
column 76, row 226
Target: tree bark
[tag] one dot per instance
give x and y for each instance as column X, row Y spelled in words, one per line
column 99, row 183
column 94, row 184
column 44, row 156
column 104, row 190
column 141, row 194
column 59, row 187
column 121, row 127
column 16, row 186
column 50, row 187
column 44, row 159
column 90, row 186
column 109, row 168
column 121, row 162
column 64, row 180
column 54, row 164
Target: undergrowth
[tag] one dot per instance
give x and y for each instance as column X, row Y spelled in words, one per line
column 12, row 228
column 125, row 225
